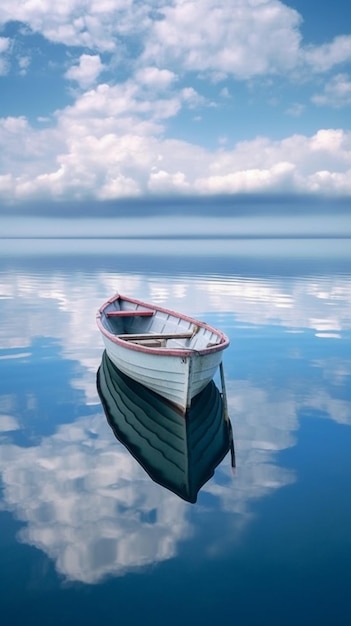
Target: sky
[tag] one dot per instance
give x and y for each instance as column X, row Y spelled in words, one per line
column 115, row 100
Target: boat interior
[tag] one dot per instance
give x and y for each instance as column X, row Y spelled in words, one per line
column 154, row 328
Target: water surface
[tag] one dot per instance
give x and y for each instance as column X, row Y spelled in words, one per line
column 86, row 535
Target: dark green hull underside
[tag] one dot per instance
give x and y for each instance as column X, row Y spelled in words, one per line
column 178, row 451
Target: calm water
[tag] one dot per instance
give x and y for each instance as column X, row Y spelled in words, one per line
column 86, row 535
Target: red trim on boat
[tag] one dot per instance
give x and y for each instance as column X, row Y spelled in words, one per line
column 181, row 352
column 130, row 313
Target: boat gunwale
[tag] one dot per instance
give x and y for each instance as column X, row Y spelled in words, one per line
column 181, row 352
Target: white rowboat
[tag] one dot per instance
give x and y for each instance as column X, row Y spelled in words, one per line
column 170, row 353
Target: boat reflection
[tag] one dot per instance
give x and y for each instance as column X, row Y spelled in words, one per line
column 180, row 452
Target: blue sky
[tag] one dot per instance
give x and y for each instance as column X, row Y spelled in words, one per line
column 113, row 99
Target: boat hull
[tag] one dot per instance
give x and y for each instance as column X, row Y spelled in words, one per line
column 177, row 370
column 177, row 378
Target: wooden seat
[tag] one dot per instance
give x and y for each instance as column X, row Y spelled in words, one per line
column 145, row 336
column 151, row 343
column 135, row 313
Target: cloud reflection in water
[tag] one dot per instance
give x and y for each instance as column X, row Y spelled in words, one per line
column 81, row 497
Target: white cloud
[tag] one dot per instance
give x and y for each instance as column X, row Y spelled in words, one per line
column 296, row 109
column 4, row 44
column 114, row 141
column 109, row 144
column 332, row 143
column 122, row 106
column 87, row 70
column 324, row 57
column 8, row 423
column 88, row 23
column 191, row 98
column 336, row 93
column 161, row 181
column 23, row 64
column 242, row 38
column 4, row 47
column 153, row 77
column 328, row 182
column 288, row 165
column 281, row 177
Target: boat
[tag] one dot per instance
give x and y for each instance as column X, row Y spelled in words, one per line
column 170, row 353
column 178, row 451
